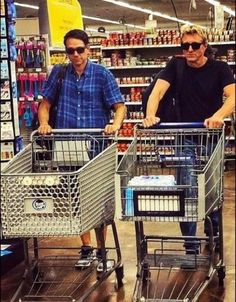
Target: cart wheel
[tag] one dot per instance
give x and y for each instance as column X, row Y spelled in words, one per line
column 221, row 275
column 119, row 275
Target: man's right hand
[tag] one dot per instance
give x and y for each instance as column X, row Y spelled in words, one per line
column 150, row 121
column 44, row 128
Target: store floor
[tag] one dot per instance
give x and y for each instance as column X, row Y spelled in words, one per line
column 107, row 292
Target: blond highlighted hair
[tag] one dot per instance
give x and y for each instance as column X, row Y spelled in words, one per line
column 193, row 29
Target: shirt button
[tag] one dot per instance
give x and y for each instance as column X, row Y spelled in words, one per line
column 78, row 118
column 78, row 106
column 78, row 92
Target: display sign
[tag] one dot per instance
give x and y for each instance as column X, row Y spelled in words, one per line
column 63, row 16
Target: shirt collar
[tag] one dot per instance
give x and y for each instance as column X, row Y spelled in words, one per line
column 87, row 71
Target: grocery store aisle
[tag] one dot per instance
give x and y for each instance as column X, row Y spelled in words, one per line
column 107, row 293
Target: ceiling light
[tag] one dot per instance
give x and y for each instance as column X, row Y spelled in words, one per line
column 26, row 5
column 113, row 22
column 86, row 17
column 148, row 11
column 225, row 8
column 89, row 29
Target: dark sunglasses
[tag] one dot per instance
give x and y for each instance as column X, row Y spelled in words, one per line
column 71, row 51
column 194, row 45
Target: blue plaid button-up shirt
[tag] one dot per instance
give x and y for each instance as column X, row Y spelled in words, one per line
column 85, row 101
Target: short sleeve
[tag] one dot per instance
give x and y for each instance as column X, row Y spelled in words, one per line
column 50, row 87
column 168, row 73
column 227, row 76
column 112, row 94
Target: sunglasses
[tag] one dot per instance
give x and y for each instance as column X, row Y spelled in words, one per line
column 194, row 45
column 71, row 51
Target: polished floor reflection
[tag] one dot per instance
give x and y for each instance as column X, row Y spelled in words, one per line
column 107, row 290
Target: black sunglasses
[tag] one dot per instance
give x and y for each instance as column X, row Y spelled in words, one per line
column 71, row 51
column 194, row 45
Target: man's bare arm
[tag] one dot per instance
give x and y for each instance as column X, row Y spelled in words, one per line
column 43, row 116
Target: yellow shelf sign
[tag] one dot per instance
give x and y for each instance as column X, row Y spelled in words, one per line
column 63, row 15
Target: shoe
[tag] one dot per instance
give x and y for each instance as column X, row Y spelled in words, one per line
column 109, row 263
column 192, row 252
column 87, row 256
column 192, row 248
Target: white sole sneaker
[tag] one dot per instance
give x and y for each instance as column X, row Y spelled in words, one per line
column 82, row 263
column 110, row 265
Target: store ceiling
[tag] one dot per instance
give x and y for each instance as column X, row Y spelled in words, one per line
column 101, row 9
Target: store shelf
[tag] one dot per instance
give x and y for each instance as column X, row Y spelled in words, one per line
column 222, row 43
column 62, row 49
column 130, row 121
column 139, row 46
column 134, row 85
column 94, row 46
column 133, row 103
column 136, row 67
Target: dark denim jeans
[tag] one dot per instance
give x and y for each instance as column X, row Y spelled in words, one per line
column 186, row 176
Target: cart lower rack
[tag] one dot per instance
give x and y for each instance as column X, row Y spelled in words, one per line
column 174, row 174
column 61, row 185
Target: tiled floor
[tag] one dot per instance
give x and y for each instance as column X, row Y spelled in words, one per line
column 107, row 292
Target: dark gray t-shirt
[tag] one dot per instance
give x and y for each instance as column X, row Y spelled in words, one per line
column 202, row 88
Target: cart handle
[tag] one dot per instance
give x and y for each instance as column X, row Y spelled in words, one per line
column 79, row 130
column 174, row 125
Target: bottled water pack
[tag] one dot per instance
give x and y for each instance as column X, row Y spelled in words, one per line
column 143, row 182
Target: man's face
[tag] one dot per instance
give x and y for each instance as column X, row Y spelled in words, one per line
column 193, row 47
column 76, row 51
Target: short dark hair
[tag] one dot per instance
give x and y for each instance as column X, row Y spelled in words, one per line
column 77, row 34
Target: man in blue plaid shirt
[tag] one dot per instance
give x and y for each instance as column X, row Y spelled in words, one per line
column 87, row 94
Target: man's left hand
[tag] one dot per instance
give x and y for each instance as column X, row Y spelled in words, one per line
column 214, row 122
column 111, row 129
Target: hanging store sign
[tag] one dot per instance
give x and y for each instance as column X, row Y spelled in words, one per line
column 63, row 16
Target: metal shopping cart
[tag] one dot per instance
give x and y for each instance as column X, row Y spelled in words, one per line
column 173, row 174
column 61, row 185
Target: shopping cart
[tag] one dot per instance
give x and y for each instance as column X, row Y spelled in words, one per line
column 173, row 174
column 61, row 185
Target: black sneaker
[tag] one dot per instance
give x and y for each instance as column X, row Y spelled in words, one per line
column 192, row 252
column 109, row 263
column 87, row 256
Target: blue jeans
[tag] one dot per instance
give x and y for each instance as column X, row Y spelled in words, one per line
column 186, row 176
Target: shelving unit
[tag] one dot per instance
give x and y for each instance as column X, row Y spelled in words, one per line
column 134, row 67
column 10, row 135
column 130, row 63
column 31, row 68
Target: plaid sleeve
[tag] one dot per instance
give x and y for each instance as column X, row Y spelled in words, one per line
column 50, row 86
column 112, row 94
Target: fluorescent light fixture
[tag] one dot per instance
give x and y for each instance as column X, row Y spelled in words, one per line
column 113, row 22
column 148, row 11
column 26, row 5
column 95, row 30
column 225, row 8
column 86, row 17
